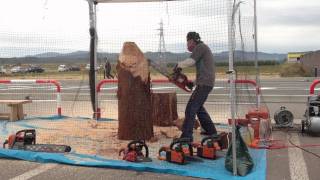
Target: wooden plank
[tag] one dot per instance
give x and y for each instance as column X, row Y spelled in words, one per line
column 14, row 112
column 4, row 116
column 16, row 108
column 20, row 114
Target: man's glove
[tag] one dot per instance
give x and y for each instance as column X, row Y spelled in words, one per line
column 190, row 85
column 177, row 69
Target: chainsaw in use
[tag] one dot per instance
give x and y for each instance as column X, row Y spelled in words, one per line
column 176, row 77
column 26, row 140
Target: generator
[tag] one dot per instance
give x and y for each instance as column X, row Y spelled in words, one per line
column 311, row 122
column 283, row 118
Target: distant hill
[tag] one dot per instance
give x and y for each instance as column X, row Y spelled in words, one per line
column 83, row 57
column 249, row 56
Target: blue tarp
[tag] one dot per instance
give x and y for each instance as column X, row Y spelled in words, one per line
column 212, row 169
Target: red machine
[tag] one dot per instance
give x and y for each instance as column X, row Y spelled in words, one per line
column 208, row 147
column 259, row 120
column 257, row 117
column 136, row 151
column 177, row 152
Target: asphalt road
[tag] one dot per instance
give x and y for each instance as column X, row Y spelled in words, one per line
column 288, row 163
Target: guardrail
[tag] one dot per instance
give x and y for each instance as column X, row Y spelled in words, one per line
column 40, row 81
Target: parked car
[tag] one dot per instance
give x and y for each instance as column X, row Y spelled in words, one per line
column 3, row 70
column 18, row 69
column 62, row 68
column 35, row 69
column 74, row 68
column 88, row 67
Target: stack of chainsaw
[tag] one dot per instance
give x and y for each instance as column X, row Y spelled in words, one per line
column 180, row 151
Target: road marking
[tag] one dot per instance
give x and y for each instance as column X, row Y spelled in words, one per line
column 34, row 172
column 297, row 165
column 268, row 88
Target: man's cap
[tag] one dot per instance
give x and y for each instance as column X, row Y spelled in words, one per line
column 193, row 35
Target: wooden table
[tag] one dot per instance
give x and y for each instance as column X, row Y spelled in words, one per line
column 16, row 109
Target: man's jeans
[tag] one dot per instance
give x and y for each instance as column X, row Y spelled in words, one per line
column 195, row 107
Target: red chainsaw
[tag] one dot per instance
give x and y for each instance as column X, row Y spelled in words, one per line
column 176, row 77
column 136, row 151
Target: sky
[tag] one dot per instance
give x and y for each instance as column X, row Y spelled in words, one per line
column 30, row 27
column 288, row 25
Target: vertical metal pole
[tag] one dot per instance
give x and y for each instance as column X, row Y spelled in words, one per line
column 256, row 50
column 232, row 83
column 93, row 24
column 95, row 61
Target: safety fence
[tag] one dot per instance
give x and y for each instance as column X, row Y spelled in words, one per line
column 55, row 45
column 43, row 94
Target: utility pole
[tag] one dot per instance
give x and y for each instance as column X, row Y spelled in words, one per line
column 162, row 46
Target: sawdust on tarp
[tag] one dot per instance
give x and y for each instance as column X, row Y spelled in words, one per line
column 97, row 138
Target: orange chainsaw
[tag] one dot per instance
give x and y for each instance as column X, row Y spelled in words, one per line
column 176, row 77
column 178, row 151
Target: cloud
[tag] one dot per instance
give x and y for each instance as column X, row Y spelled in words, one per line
column 284, row 25
column 288, row 25
column 291, row 17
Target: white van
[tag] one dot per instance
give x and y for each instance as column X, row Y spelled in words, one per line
column 2, row 70
column 62, row 68
column 18, row 69
column 88, row 67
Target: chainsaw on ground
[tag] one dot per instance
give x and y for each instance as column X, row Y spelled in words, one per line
column 136, row 151
column 26, row 140
column 177, row 152
column 176, row 77
column 208, row 147
column 181, row 150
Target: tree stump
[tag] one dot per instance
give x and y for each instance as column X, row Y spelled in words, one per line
column 134, row 95
column 164, row 108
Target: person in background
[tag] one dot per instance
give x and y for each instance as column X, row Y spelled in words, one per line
column 107, row 70
column 202, row 57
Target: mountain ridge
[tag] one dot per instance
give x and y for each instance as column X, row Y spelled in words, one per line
column 83, row 57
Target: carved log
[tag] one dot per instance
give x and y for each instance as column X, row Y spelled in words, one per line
column 164, row 108
column 134, row 95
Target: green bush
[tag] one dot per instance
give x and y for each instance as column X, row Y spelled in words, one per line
column 249, row 63
column 293, row 70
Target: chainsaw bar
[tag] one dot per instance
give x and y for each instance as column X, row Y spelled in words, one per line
column 51, row 148
column 159, row 68
column 179, row 80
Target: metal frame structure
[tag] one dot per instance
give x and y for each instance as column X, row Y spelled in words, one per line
column 231, row 46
